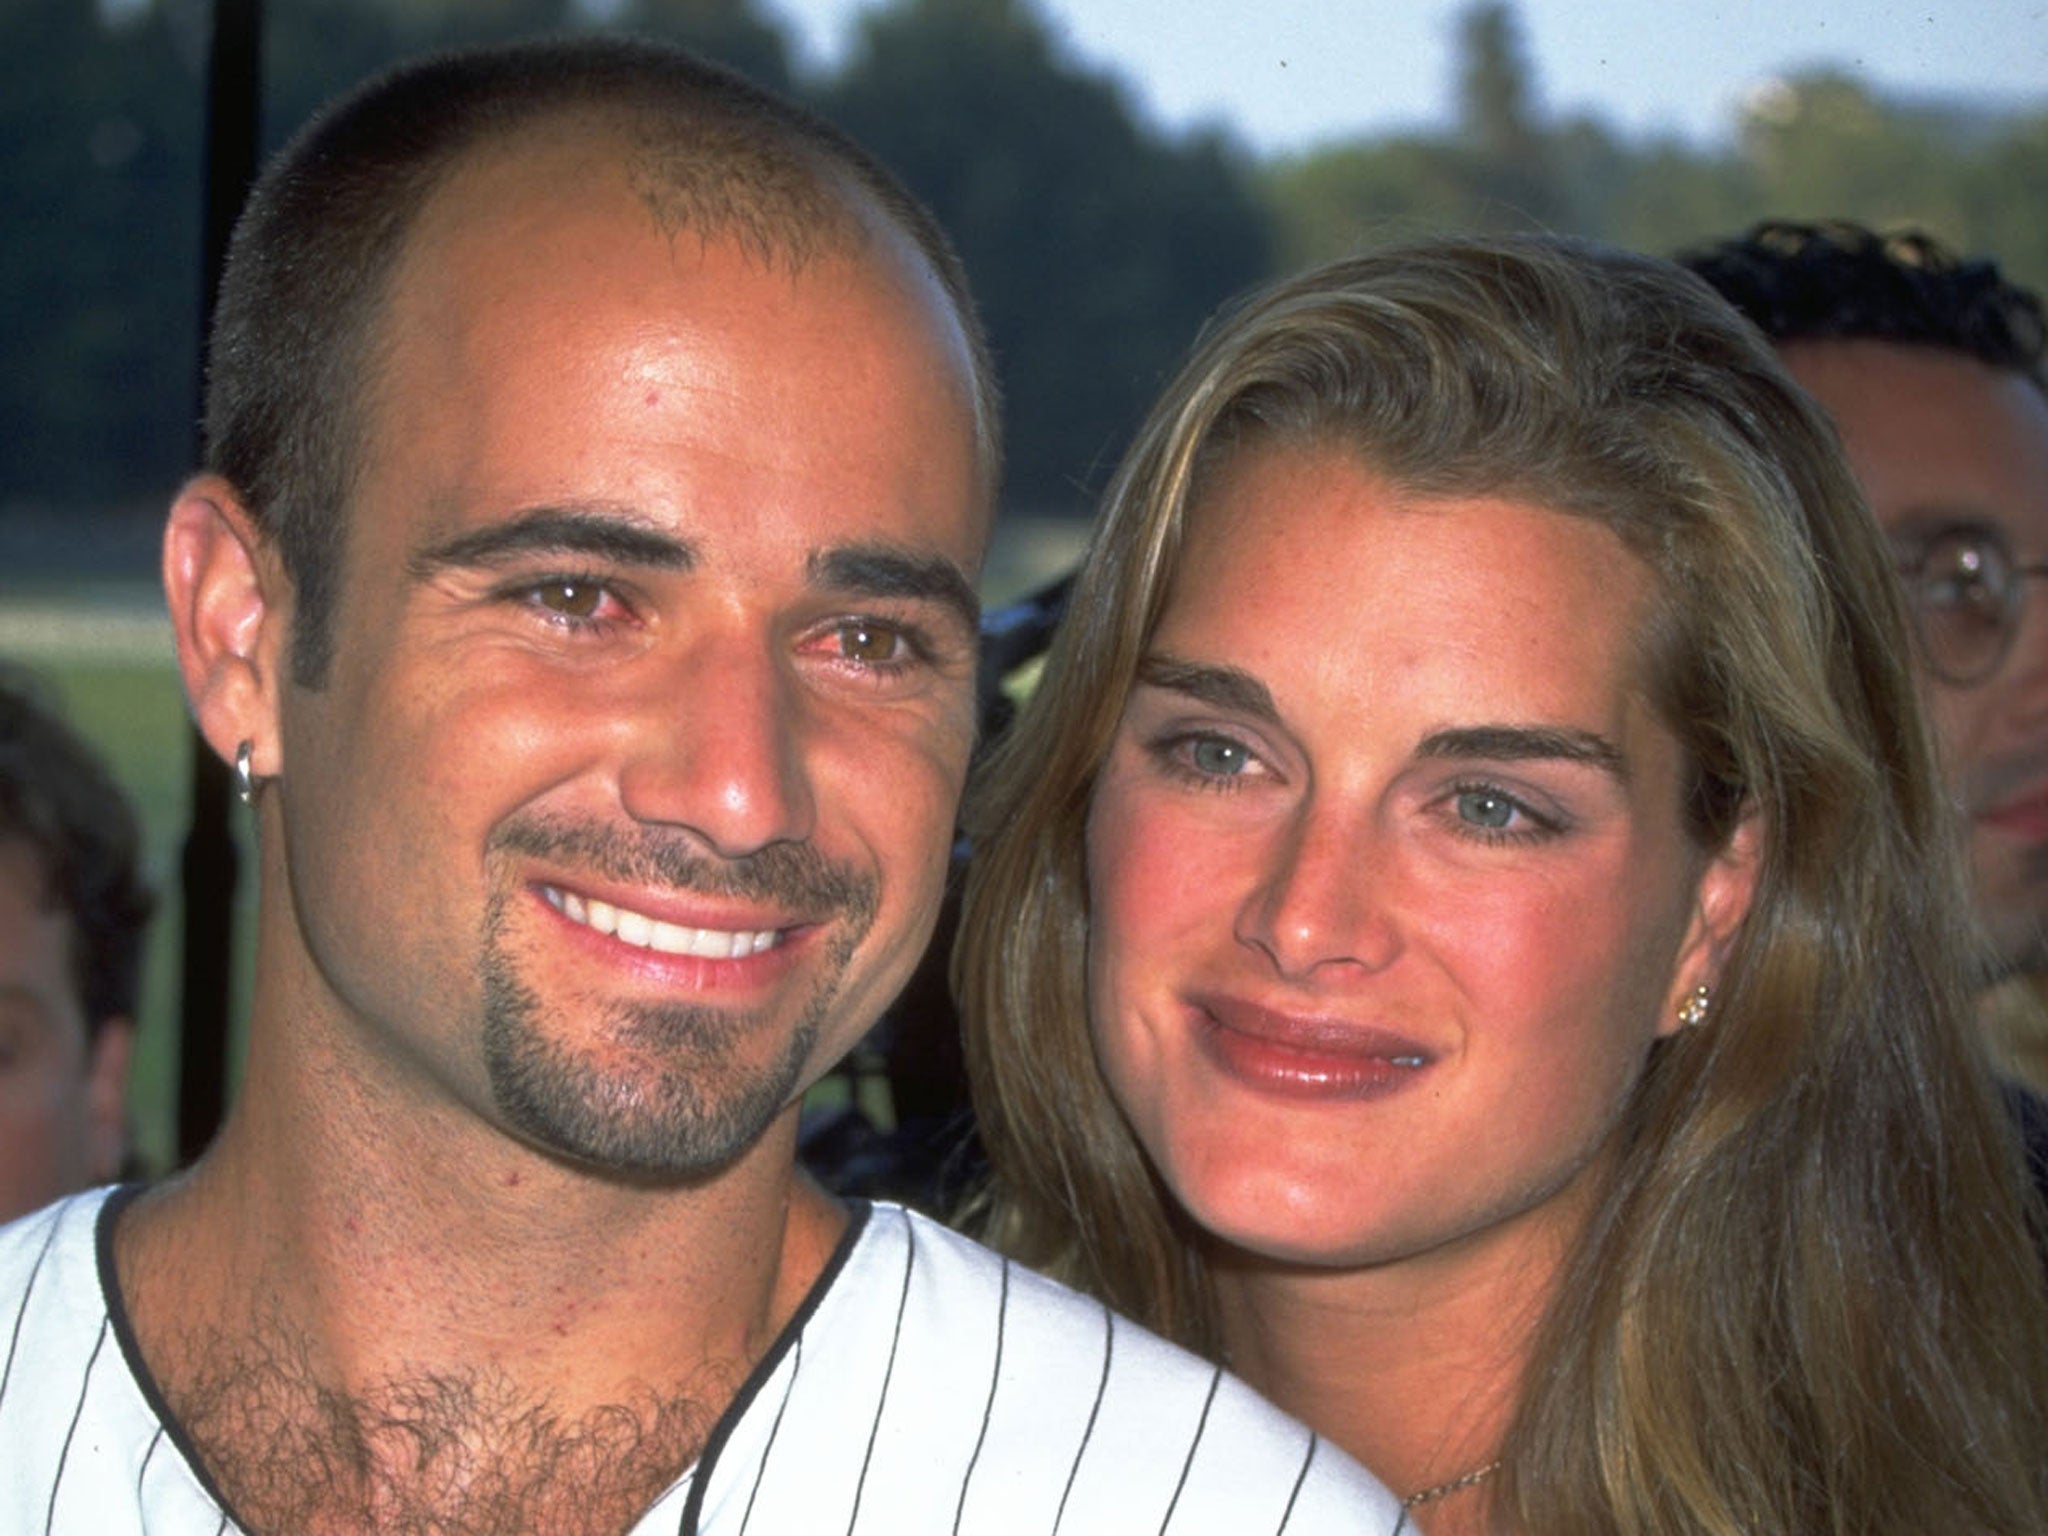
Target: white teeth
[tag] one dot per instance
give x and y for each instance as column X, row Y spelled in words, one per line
column 644, row 932
column 1406, row 1061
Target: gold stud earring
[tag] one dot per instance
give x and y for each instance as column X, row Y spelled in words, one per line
column 1693, row 1011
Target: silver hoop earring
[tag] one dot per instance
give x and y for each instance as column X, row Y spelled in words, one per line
column 245, row 779
column 1693, row 1011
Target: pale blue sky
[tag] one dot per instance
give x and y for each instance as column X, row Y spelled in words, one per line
column 1286, row 74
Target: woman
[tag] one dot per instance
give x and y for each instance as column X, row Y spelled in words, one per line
column 1465, row 928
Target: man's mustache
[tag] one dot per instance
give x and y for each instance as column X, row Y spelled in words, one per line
column 790, row 875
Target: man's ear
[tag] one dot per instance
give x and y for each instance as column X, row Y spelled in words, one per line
column 1726, row 887
column 230, row 612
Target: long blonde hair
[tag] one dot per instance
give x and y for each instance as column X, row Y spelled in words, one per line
column 1808, row 1300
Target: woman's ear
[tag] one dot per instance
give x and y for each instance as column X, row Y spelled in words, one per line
column 230, row 613
column 1720, row 903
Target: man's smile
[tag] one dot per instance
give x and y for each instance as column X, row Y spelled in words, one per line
column 644, row 932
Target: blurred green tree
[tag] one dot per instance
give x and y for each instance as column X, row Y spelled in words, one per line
column 1096, row 241
column 1818, row 145
column 99, row 251
column 1096, row 244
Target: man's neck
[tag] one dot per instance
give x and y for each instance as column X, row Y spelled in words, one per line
column 450, row 1329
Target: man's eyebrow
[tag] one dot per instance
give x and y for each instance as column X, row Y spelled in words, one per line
column 883, row 570
column 1515, row 743
column 1926, row 520
column 600, row 534
column 1220, row 687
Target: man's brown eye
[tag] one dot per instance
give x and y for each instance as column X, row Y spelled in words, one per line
column 870, row 642
column 571, row 599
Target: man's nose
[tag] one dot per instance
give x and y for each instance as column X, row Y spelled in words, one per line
column 718, row 747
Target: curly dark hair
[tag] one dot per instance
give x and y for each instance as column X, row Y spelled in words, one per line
column 59, row 800
column 1839, row 281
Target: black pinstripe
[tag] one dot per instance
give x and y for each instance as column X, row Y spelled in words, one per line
column 1094, row 1409
column 988, row 1409
column 77, row 1412
column 895, row 1341
column 21, row 1312
column 148, row 1456
column 1194, row 1445
column 796, row 1365
column 1314, row 1443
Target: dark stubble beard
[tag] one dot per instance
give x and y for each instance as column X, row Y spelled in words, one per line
column 678, row 1100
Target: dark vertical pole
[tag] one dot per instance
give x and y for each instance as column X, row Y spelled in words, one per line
column 233, row 103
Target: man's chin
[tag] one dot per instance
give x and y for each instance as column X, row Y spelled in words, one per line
column 676, row 1099
column 678, row 1134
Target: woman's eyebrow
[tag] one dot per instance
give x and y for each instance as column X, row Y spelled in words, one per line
column 1222, row 687
column 1521, row 743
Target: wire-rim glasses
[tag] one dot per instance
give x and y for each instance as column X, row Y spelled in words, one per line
column 1967, row 593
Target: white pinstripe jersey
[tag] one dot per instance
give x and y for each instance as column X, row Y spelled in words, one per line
column 926, row 1386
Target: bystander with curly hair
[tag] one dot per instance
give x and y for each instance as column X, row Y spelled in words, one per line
column 73, row 914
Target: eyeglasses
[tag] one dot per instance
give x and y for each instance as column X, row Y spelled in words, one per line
column 1967, row 593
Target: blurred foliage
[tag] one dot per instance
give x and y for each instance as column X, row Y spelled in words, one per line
column 1815, row 145
column 1096, row 246
column 1096, row 241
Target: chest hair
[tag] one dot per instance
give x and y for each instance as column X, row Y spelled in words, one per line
column 454, row 1454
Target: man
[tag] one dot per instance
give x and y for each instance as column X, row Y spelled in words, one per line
column 601, row 455
column 73, row 912
column 1933, row 371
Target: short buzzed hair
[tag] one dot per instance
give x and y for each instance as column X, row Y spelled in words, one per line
column 294, row 334
column 1839, row 281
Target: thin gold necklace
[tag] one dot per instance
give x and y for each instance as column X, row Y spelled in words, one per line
column 1466, row 1480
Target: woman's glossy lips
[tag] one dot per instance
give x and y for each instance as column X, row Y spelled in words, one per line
column 1303, row 1055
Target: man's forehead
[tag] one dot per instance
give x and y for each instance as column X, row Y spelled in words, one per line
column 618, row 178
column 1931, row 432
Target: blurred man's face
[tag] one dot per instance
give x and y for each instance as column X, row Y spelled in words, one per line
column 1953, row 456
column 60, row 1092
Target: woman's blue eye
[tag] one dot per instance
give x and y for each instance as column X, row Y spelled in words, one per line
column 1485, row 808
column 1213, row 755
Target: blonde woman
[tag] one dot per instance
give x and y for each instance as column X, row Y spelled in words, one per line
column 1467, row 930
